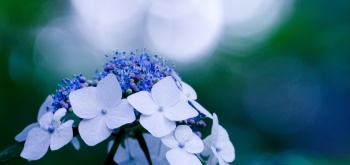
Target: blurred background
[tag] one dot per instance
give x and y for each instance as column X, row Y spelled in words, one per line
column 275, row 71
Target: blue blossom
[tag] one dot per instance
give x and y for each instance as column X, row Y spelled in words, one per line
column 102, row 110
column 183, row 144
column 51, row 133
column 218, row 146
column 161, row 107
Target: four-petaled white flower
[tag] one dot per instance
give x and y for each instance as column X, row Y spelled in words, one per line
column 184, row 144
column 161, row 107
column 189, row 94
column 22, row 136
column 131, row 153
column 51, row 133
column 219, row 144
column 102, row 109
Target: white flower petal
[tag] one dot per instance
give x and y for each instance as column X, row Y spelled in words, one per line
column 183, row 133
column 46, row 120
column 75, row 142
column 214, row 130
column 157, row 124
column 189, row 91
column 227, row 152
column 206, row 141
column 165, row 93
column 59, row 114
column 201, row 109
column 181, row 157
column 62, row 135
column 108, row 91
column 120, row 115
column 180, row 111
column 142, row 101
column 36, row 145
column 47, row 103
column 84, row 102
column 194, row 145
column 22, row 136
column 170, row 141
column 222, row 137
column 207, row 147
column 94, row 131
column 218, row 157
column 213, row 160
column 122, row 156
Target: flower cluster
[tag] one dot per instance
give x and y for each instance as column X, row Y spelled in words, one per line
column 133, row 92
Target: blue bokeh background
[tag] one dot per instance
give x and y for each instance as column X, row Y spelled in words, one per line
column 283, row 95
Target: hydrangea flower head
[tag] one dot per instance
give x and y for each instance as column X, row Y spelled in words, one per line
column 51, row 133
column 133, row 93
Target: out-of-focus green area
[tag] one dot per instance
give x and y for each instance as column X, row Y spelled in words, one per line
column 286, row 101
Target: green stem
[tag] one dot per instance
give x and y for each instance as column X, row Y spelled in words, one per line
column 11, row 152
column 143, row 145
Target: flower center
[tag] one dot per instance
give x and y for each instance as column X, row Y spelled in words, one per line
column 103, row 111
column 218, row 149
column 51, row 129
column 161, row 109
column 181, row 145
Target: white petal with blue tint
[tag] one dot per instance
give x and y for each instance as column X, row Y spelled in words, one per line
column 143, row 102
column 181, row 157
column 194, row 145
column 84, row 103
column 61, row 135
column 183, row 133
column 227, row 152
column 122, row 114
column 183, row 143
column 36, row 145
column 220, row 144
column 170, row 141
column 59, row 114
column 108, row 92
column 217, row 157
column 214, row 130
column 46, row 120
column 47, row 103
column 157, row 124
column 22, row 136
column 94, row 131
column 165, row 92
column 180, row 111
column 188, row 91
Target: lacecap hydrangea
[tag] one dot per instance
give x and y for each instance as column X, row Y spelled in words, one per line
column 142, row 103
